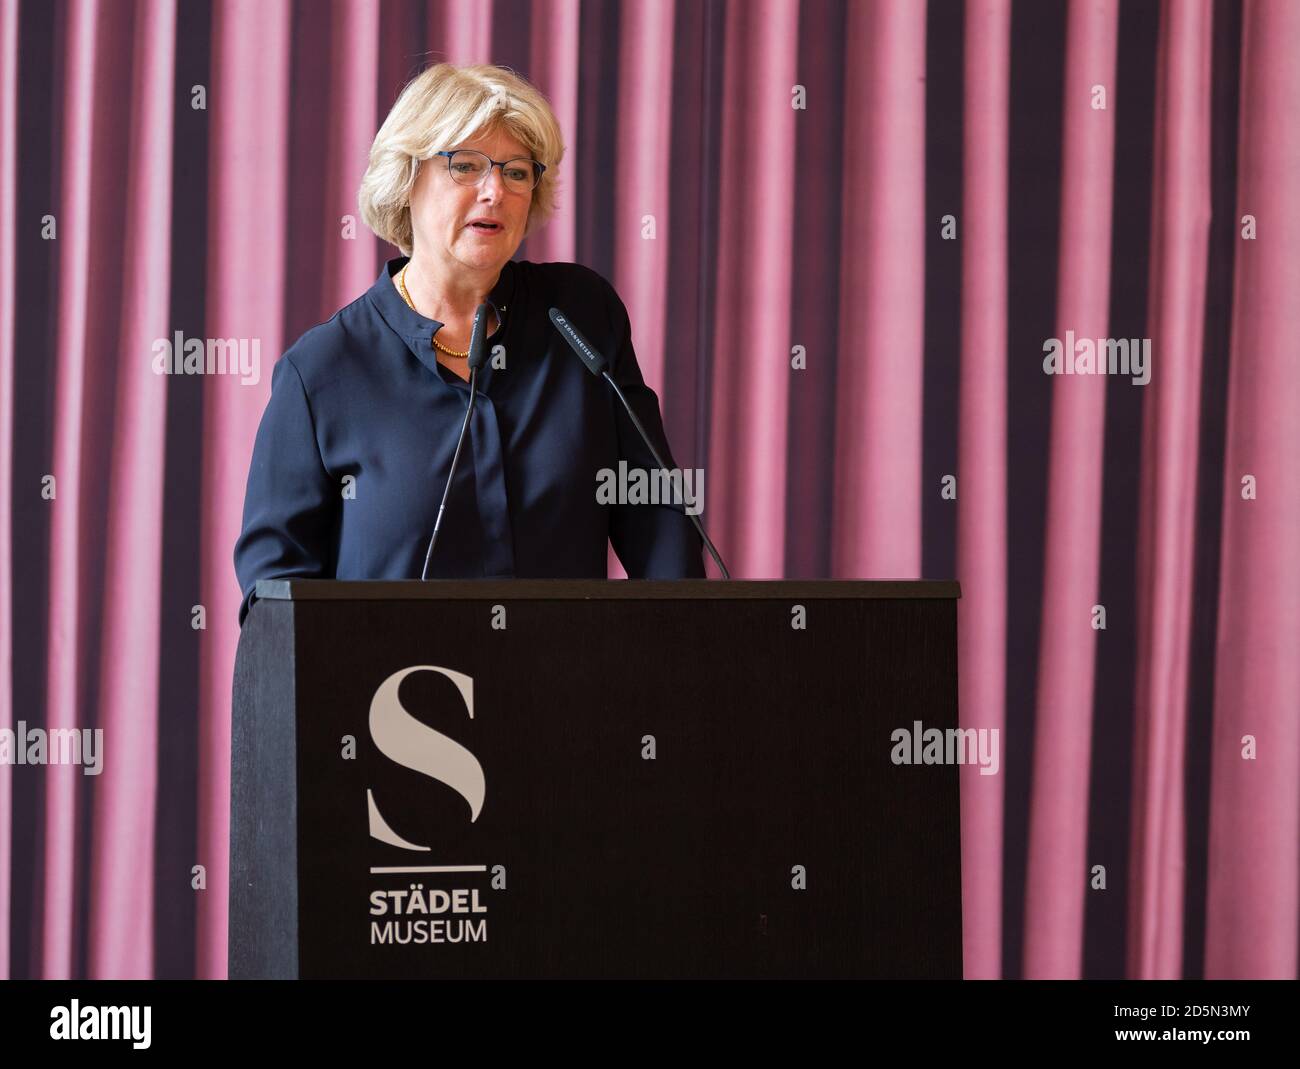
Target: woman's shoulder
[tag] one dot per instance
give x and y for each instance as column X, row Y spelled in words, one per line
column 326, row 348
column 563, row 279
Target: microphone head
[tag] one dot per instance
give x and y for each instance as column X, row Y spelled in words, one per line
column 596, row 363
column 478, row 337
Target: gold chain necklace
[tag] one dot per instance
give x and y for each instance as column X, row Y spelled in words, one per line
column 401, row 285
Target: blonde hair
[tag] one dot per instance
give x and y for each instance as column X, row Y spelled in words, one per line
column 444, row 106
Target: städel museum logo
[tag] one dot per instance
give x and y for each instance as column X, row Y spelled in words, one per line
column 414, row 913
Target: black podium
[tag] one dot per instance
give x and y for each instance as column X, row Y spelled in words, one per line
column 599, row 779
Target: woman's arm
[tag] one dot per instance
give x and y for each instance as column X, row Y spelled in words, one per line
column 291, row 507
column 652, row 541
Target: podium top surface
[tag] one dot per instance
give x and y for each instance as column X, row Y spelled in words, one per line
column 613, row 589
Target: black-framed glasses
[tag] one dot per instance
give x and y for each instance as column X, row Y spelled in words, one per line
column 469, row 167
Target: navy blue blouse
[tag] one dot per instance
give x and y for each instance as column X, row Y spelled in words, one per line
column 364, row 396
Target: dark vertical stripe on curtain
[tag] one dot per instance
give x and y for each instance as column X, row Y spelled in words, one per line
column 40, row 67
column 114, row 74
column 592, row 163
column 87, row 184
column 9, row 66
column 178, row 693
column 1225, row 94
column 402, row 30
column 714, row 21
column 944, row 91
column 512, row 35
column 310, row 223
column 815, row 289
column 689, row 282
column 1111, row 772
column 1252, row 923
column 1034, row 182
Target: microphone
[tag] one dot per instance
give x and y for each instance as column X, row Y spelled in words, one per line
column 477, row 358
column 599, row 366
column 478, row 340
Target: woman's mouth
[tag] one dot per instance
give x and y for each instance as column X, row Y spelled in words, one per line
column 487, row 229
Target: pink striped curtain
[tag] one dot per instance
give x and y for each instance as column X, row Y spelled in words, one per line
column 844, row 231
column 1255, row 834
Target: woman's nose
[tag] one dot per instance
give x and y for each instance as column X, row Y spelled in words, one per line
column 493, row 187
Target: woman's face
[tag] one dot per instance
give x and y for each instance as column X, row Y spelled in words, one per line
column 442, row 210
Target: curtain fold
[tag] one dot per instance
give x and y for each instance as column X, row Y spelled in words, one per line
column 122, row 846
column 1167, row 511
column 981, row 475
column 554, row 57
column 639, row 172
column 876, row 528
column 751, row 315
column 349, row 266
column 461, row 31
column 247, row 263
column 61, row 881
column 8, row 315
column 640, row 175
column 1251, row 915
column 1058, row 820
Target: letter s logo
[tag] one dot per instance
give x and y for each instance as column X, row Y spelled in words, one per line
column 402, row 738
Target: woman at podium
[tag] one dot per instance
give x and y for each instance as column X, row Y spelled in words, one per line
column 354, row 448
